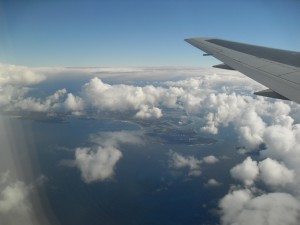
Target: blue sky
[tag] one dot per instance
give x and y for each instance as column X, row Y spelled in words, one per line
column 137, row 33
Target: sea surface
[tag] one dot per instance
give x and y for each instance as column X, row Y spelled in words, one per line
column 144, row 189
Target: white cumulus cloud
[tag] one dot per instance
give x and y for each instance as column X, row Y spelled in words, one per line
column 98, row 164
column 274, row 173
column 213, row 183
column 178, row 161
column 246, row 172
column 147, row 113
column 211, row 159
column 14, row 196
column 243, row 208
column 74, row 103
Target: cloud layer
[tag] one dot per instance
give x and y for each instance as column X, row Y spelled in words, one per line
column 19, row 75
column 146, row 102
column 204, row 94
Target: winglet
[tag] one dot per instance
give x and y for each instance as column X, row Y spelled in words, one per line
column 223, row 66
column 271, row 94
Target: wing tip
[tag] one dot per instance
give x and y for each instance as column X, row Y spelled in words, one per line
column 197, row 39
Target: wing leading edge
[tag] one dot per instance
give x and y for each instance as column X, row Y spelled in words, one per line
column 279, row 70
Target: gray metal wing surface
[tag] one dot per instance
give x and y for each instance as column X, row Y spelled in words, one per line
column 279, row 70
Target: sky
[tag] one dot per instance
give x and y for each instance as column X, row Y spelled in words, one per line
column 137, row 33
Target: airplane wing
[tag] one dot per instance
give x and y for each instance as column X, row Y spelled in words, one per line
column 276, row 69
